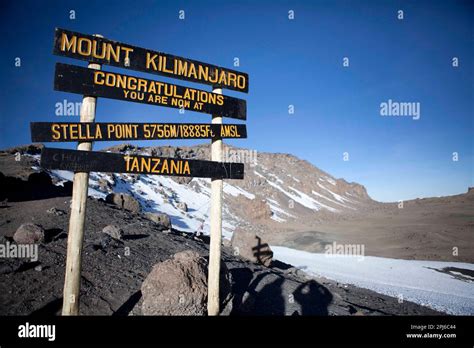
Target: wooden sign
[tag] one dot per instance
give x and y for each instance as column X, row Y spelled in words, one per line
column 69, row 131
column 99, row 83
column 91, row 161
column 99, row 50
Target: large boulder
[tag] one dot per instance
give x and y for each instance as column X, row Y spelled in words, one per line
column 161, row 219
column 249, row 245
column 178, row 286
column 124, row 201
column 29, row 234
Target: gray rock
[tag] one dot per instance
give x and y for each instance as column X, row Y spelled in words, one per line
column 106, row 242
column 113, row 231
column 178, row 286
column 249, row 245
column 182, row 206
column 29, row 233
column 56, row 211
column 160, row 219
column 104, row 185
column 124, row 201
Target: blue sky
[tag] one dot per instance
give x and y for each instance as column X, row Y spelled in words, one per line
column 297, row 62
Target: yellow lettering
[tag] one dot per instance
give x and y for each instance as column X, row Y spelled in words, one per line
column 203, row 72
column 66, row 44
column 241, row 81
column 98, row 133
column 142, row 85
column 56, row 134
column 127, row 162
column 192, row 71
column 135, row 164
column 157, row 162
column 146, row 131
column 94, row 50
column 186, row 169
column 150, row 60
column 80, row 50
column 145, row 165
column 132, row 83
column 98, row 74
column 111, row 52
column 182, row 67
column 121, row 81
column 127, row 52
column 110, row 80
column 164, row 167
column 164, row 67
column 174, row 167
column 73, row 132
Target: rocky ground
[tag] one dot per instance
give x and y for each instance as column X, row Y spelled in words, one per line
column 111, row 280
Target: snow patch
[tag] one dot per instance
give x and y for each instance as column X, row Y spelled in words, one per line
column 331, row 200
column 308, row 201
column 335, row 195
column 236, row 191
column 417, row 281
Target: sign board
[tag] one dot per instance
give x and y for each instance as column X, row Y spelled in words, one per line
column 70, row 131
column 91, row 161
column 99, row 83
column 92, row 82
column 99, row 50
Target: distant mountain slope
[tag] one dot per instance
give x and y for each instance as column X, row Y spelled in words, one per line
column 278, row 189
column 289, row 202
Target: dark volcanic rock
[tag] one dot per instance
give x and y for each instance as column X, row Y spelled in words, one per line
column 159, row 218
column 38, row 186
column 124, row 201
column 107, row 241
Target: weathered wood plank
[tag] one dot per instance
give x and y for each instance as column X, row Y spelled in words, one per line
column 74, row 131
column 99, row 50
column 99, row 83
column 90, row 161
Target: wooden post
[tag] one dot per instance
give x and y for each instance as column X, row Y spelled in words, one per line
column 216, row 226
column 72, row 280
